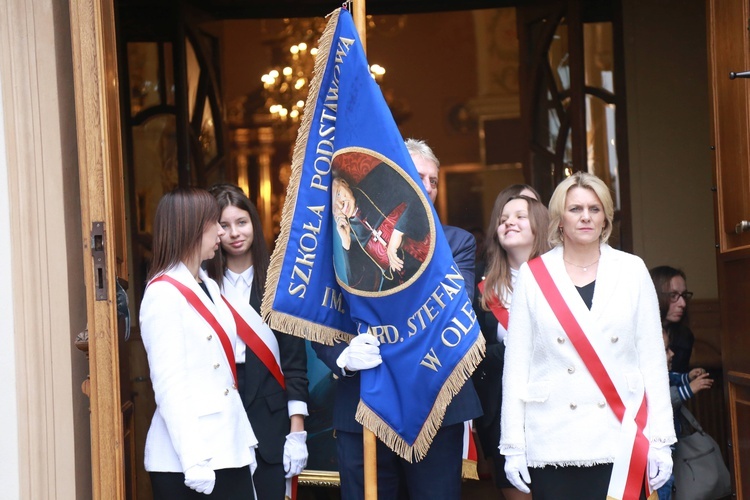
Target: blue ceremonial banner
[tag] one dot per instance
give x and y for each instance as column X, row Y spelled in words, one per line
column 361, row 251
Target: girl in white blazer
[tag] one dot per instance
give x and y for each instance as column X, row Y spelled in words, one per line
column 200, row 440
column 555, row 419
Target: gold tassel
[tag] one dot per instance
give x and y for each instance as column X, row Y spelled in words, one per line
column 469, row 470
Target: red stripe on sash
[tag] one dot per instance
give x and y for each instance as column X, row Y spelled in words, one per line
column 194, row 301
column 471, row 454
column 639, row 455
column 256, row 344
column 291, row 488
column 498, row 310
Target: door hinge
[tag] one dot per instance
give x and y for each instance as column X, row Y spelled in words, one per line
column 100, row 260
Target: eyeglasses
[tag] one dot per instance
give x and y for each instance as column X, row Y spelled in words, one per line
column 675, row 296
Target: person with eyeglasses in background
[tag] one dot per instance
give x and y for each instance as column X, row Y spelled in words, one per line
column 671, row 287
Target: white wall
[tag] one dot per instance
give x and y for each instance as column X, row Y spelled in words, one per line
column 668, row 134
column 8, row 409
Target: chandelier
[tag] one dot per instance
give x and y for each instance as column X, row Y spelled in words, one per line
column 286, row 85
column 285, row 88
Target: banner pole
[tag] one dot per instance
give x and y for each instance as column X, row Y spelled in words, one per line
column 368, row 437
column 371, row 464
column 360, row 21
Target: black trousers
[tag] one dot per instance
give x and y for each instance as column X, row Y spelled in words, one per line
column 572, row 483
column 231, row 484
column 269, row 480
column 498, row 464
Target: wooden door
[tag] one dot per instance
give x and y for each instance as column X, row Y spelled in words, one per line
column 729, row 51
column 102, row 216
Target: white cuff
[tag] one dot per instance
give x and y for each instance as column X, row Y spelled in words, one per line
column 297, row 408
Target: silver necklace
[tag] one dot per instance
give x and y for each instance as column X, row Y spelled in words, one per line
column 585, row 268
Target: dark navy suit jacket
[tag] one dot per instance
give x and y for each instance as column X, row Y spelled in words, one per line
column 464, row 406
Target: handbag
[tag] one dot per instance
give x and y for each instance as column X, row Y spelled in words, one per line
column 699, row 470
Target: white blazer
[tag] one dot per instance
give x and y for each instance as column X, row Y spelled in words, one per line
column 199, row 415
column 552, row 407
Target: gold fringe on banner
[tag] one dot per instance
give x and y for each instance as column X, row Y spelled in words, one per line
column 277, row 320
column 469, row 469
column 453, row 384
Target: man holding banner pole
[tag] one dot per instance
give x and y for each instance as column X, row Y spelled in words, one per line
column 404, row 352
column 439, row 474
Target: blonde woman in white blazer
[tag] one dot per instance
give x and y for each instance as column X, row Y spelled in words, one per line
column 200, row 441
column 559, row 433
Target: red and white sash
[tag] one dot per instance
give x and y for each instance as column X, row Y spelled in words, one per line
column 201, row 309
column 258, row 337
column 629, row 470
column 496, row 307
column 469, row 454
column 291, row 488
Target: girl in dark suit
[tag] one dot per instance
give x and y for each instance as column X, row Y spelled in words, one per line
column 517, row 233
column 272, row 367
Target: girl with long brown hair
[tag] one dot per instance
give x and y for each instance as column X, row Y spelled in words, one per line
column 200, row 440
column 517, row 232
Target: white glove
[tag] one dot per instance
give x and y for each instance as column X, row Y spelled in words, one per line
column 363, row 353
column 517, row 471
column 659, row 465
column 200, row 478
column 295, row 453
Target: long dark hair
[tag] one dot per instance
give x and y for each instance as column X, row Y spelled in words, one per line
column 181, row 218
column 497, row 276
column 230, row 195
column 662, row 277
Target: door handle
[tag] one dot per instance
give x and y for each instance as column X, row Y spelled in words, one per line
column 742, row 227
column 741, row 74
